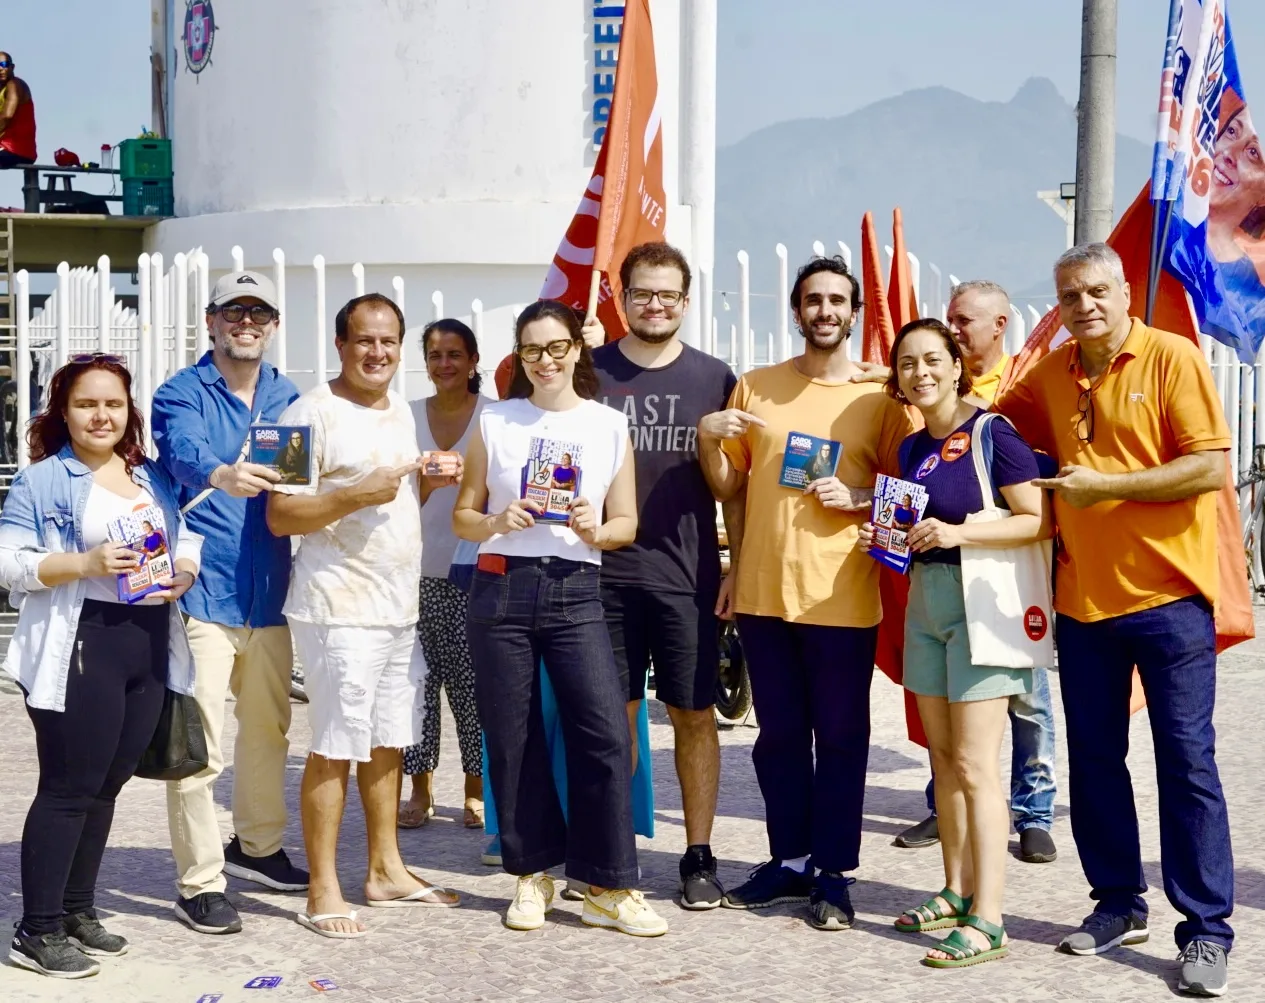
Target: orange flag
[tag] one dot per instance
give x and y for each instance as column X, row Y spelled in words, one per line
column 624, row 203
column 900, row 287
column 877, row 333
column 1131, row 239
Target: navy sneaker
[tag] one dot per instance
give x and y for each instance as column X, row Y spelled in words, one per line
column 273, row 871
column 770, row 884
column 830, row 904
column 210, row 912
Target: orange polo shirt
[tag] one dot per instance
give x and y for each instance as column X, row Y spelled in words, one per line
column 1156, row 401
column 800, row 561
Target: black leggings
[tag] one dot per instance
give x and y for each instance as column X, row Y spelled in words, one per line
column 114, row 694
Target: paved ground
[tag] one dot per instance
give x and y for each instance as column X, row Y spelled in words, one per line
column 465, row 954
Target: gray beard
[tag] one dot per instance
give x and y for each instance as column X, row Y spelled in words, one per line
column 238, row 354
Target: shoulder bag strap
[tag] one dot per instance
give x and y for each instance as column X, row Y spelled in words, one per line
column 982, row 437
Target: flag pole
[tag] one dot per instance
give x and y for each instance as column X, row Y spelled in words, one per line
column 595, row 285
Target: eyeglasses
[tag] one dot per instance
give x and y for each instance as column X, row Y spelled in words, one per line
column 260, row 315
column 1085, row 424
column 83, row 357
column 667, row 297
column 556, row 349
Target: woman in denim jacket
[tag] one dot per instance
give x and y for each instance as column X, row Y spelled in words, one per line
column 94, row 667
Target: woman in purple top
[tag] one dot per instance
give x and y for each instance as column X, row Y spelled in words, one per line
column 963, row 705
column 564, row 474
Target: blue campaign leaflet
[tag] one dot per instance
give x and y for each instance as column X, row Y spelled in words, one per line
column 808, row 458
column 898, row 505
column 287, row 449
column 144, row 532
column 551, row 477
column 263, row 982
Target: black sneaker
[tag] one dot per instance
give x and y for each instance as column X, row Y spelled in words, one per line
column 1101, row 931
column 770, row 884
column 1036, row 846
column 700, row 888
column 87, row 933
column 829, row 904
column 1204, row 969
column 210, row 912
column 925, row 833
column 273, row 871
column 50, row 954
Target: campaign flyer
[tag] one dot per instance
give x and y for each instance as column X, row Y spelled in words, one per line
column 145, row 533
column 287, row 449
column 440, row 462
column 808, row 458
column 551, row 477
column 898, row 505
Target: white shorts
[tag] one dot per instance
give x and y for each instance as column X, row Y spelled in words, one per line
column 361, row 685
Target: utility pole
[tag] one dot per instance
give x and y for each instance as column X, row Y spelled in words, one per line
column 1096, row 122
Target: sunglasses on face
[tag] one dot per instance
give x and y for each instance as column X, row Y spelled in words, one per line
column 667, row 297
column 260, row 315
column 83, row 357
column 556, row 349
column 5, row 64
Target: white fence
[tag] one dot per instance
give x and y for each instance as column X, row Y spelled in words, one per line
column 167, row 331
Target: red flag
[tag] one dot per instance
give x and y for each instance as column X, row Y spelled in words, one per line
column 877, row 333
column 624, row 203
column 900, row 287
column 1131, row 239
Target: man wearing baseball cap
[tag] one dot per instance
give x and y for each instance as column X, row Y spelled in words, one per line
column 240, row 641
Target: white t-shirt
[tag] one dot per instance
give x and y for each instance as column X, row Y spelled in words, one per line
column 102, row 508
column 361, row 570
column 553, row 456
column 439, row 542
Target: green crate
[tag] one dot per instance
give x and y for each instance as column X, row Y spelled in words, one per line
column 145, row 158
column 148, row 197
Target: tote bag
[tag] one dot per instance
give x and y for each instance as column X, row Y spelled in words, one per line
column 178, row 748
column 1009, row 606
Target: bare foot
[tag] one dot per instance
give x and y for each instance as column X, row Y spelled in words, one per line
column 977, row 939
column 333, row 902
column 402, row 884
column 415, row 812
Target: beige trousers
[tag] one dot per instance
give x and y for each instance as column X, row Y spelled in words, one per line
column 254, row 665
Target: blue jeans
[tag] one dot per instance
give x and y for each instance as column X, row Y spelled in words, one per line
column 1174, row 649
column 549, row 608
column 1032, row 786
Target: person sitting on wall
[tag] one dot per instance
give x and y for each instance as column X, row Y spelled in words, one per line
column 17, row 117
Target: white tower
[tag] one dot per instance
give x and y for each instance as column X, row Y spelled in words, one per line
column 444, row 141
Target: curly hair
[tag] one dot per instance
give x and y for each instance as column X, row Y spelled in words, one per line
column 48, row 432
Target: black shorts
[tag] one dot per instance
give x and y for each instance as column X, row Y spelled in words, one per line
column 677, row 632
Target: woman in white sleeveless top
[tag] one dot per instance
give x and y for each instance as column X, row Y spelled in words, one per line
column 445, row 421
column 535, row 595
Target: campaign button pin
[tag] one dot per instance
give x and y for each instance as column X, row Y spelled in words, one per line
column 1035, row 623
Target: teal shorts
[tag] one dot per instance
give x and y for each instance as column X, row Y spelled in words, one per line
column 937, row 650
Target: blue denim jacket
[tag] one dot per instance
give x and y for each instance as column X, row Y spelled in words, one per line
column 44, row 515
column 199, row 424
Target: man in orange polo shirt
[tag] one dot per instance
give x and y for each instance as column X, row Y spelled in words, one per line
column 1133, row 418
column 806, row 596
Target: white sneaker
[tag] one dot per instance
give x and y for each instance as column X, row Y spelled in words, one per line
column 532, row 899
column 625, row 910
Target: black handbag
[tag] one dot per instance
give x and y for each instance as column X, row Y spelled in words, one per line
column 178, row 748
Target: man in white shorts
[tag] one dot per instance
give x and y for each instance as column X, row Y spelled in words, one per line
column 353, row 607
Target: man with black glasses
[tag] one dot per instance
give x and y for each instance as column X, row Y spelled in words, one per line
column 240, row 640
column 660, row 592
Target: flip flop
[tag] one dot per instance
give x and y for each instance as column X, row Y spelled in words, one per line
column 474, row 814
column 414, row 818
column 309, row 923
column 421, row 897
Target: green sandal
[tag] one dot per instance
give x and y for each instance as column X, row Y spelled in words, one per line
column 931, row 916
column 966, row 953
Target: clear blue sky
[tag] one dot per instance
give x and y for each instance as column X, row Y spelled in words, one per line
column 87, row 61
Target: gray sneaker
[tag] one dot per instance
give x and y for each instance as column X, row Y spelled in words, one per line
column 50, row 954
column 1101, row 931
column 1204, row 969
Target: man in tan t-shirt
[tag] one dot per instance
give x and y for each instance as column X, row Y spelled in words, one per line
column 806, row 597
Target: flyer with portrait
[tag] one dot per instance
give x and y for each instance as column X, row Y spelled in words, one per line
column 551, row 477
column 808, row 458
column 440, row 462
column 287, row 449
column 898, row 505
column 145, row 533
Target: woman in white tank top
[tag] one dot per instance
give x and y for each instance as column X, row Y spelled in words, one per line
column 535, row 594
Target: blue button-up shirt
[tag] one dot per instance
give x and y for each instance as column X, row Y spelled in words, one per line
column 200, row 424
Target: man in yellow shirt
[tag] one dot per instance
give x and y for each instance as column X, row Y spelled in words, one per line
column 1132, row 416
column 805, row 595
column 979, row 316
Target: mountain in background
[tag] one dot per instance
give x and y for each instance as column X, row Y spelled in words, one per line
column 964, row 172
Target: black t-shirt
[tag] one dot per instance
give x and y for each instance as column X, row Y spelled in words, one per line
column 676, row 549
